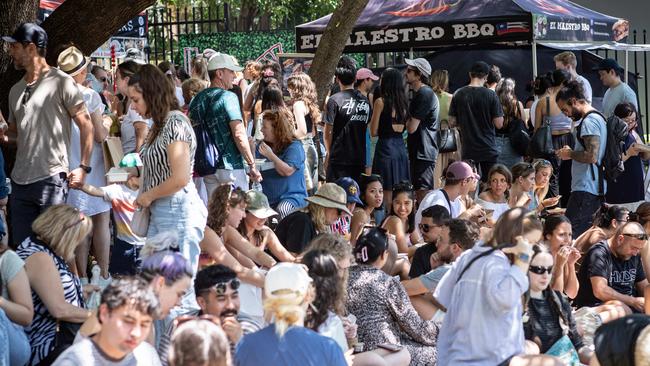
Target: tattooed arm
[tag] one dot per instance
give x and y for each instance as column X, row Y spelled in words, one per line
column 588, row 156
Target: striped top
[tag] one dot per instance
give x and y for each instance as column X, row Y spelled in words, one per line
column 42, row 330
column 156, row 168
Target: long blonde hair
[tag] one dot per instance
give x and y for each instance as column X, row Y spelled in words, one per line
column 62, row 228
column 318, row 216
column 440, row 81
column 304, row 89
column 287, row 308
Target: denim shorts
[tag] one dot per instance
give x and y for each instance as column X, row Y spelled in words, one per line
column 184, row 214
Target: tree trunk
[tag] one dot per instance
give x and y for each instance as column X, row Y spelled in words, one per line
column 88, row 23
column 247, row 13
column 13, row 13
column 332, row 44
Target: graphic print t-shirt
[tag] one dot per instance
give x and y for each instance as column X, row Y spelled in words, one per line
column 348, row 112
column 122, row 199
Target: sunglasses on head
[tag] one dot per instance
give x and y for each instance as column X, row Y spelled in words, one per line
column 636, row 236
column 186, row 318
column 221, row 287
column 540, row 270
column 426, row 227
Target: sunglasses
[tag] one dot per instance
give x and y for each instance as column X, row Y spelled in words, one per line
column 426, row 227
column 540, row 270
column 186, row 318
column 27, row 94
column 636, row 236
column 222, row 287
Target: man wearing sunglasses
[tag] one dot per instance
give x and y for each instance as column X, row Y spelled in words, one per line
column 42, row 107
column 434, row 221
column 612, row 270
column 217, row 293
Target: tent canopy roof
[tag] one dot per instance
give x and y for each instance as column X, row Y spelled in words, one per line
column 401, row 24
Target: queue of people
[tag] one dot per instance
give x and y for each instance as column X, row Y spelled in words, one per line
column 296, row 243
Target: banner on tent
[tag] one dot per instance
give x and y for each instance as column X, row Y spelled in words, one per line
column 421, row 36
column 579, row 29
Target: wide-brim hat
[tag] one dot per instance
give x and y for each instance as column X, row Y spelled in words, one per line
column 330, row 195
column 72, row 61
column 259, row 205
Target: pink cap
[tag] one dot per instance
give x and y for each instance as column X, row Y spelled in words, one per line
column 364, row 73
column 460, row 170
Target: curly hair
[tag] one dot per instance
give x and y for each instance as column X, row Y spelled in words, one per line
column 159, row 95
column 508, row 99
column 328, row 285
column 282, row 127
column 303, row 88
column 221, row 201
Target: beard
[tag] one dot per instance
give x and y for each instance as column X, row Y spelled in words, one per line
column 576, row 115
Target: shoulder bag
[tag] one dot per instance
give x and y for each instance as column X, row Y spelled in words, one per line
column 541, row 144
column 446, row 138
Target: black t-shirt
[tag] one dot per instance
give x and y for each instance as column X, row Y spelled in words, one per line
column 615, row 341
column 421, row 263
column 296, row 231
column 621, row 275
column 474, row 109
column 422, row 144
column 349, row 112
column 544, row 322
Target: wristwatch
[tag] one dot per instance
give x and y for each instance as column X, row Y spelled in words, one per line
column 86, row 168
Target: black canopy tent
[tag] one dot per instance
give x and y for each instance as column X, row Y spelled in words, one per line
column 390, row 25
column 393, row 25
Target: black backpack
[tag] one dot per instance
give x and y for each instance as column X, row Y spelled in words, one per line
column 611, row 166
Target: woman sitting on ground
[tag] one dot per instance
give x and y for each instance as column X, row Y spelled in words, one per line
column 548, row 317
column 543, row 174
column 284, row 185
column 495, row 199
column 223, row 244
column 372, row 212
column 56, row 291
column 382, row 307
column 557, row 237
column 523, row 183
column 401, row 218
column 323, row 209
column 253, row 227
column 605, row 223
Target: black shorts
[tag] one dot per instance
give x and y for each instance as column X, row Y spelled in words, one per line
column 422, row 174
column 336, row 171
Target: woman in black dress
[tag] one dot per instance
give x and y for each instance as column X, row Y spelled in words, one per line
column 389, row 116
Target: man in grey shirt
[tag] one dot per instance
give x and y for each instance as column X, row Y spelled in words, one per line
column 126, row 313
column 567, row 61
column 618, row 92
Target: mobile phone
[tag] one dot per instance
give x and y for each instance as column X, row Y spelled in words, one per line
column 391, row 347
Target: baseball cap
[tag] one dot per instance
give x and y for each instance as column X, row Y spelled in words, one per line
column 421, row 64
column 28, row 33
column 371, row 244
column 365, row 73
column 220, row 60
column 480, row 67
column 135, row 55
column 258, row 205
column 608, row 64
column 460, row 170
column 285, row 276
column 351, row 189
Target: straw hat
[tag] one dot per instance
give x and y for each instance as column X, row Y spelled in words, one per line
column 72, row 61
column 331, row 196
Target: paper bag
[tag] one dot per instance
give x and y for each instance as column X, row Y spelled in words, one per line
column 113, row 153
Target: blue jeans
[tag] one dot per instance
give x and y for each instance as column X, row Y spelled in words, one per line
column 17, row 350
column 184, row 214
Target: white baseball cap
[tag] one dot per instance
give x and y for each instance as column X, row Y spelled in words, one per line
column 222, row 61
column 421, row 64
column 287, row 276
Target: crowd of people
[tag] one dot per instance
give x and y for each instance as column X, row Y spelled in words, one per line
column 400, row 224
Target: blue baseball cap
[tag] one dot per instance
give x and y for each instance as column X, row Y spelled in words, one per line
column 28, row 33
column 351, row 189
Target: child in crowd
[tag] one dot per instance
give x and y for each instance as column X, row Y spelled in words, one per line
column 125, row 254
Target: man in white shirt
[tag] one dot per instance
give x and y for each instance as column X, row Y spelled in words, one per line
column 567, row 61
column 458, row 182
column 126, row 313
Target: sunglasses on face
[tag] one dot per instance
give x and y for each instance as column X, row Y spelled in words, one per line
column 426, row 227
column 540, row 270
column 636, row 236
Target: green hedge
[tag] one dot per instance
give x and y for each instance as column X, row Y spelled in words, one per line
column 243, row 45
